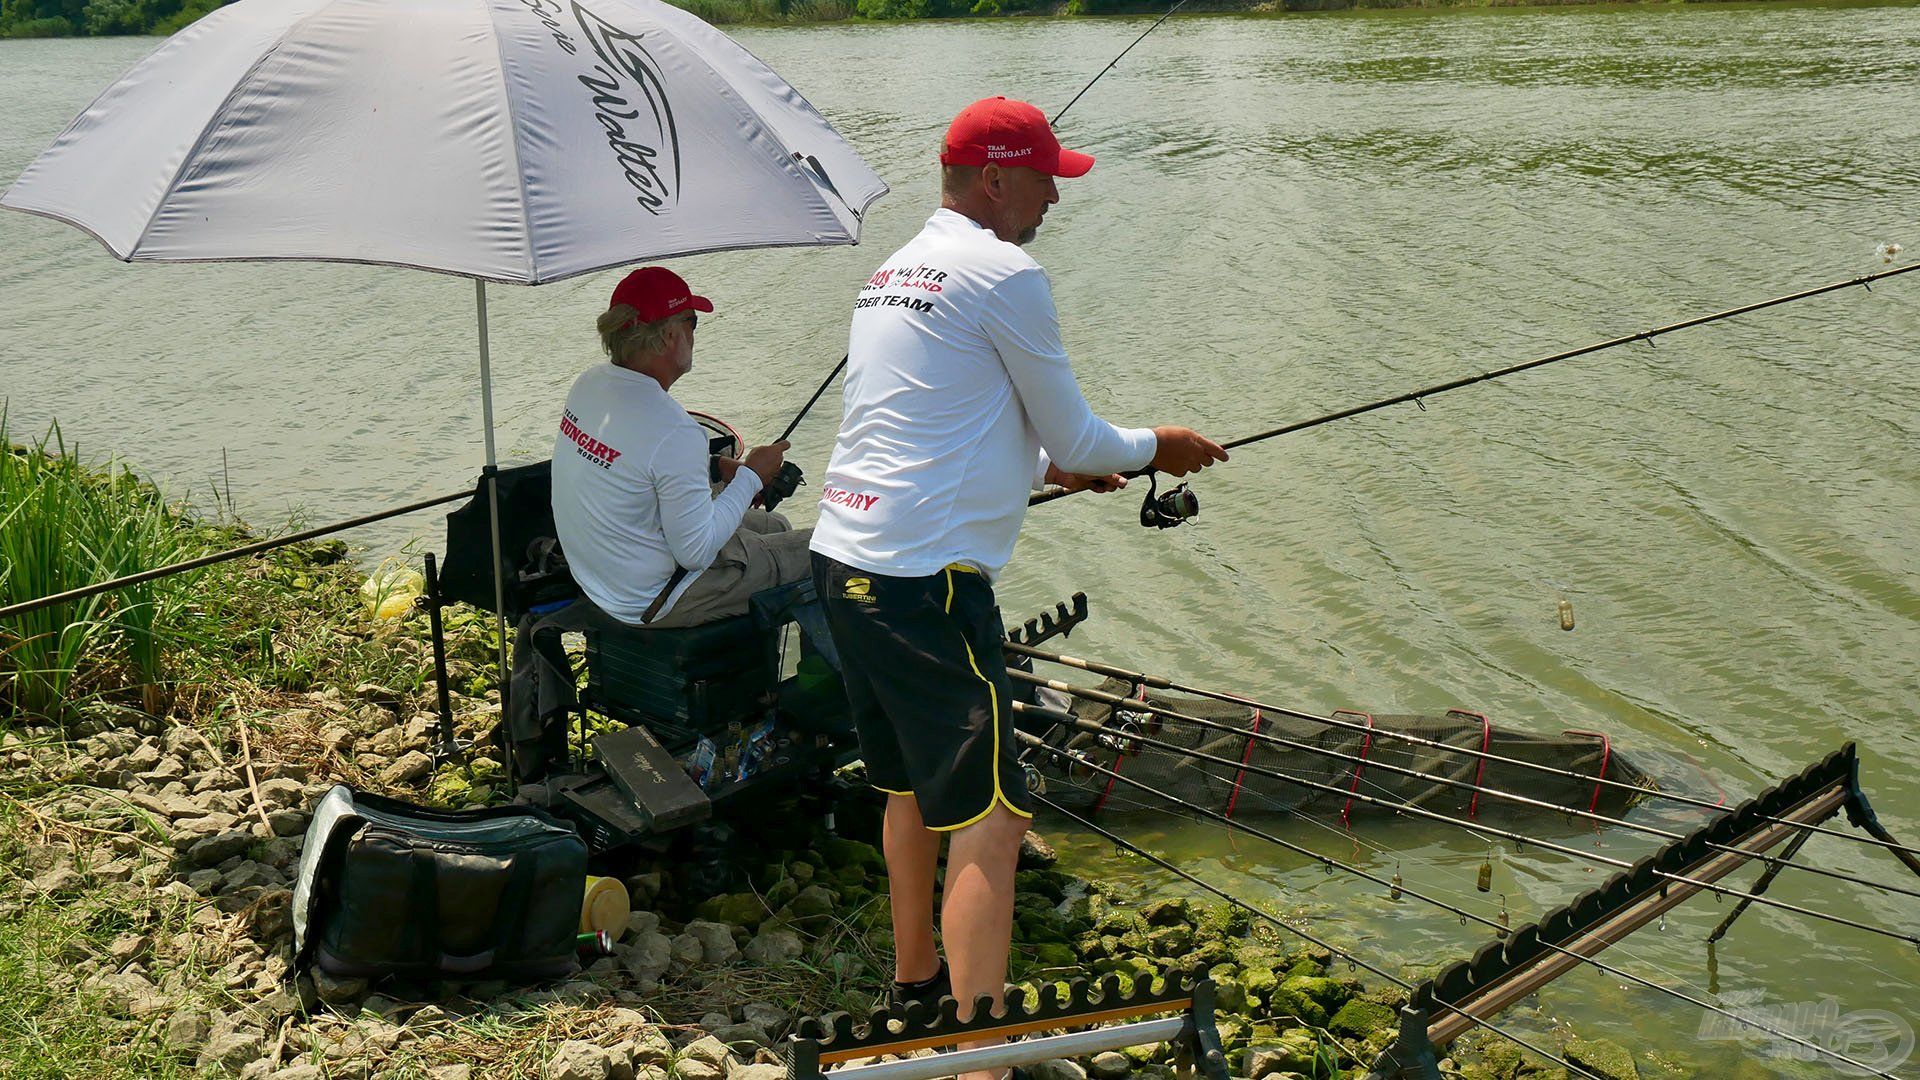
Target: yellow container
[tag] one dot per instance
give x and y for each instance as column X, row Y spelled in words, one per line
column 604, row 907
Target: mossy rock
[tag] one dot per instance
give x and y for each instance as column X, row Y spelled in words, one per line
column 1229, row 994
column 782, row 892
column 1603, row 1057
column 1118, row 921
column 1134, row 943
column 1208, row 954
column 1172, row 941
column 1091, row 946
column 1304, row 1053
column 1047, row 883
column 1362, row 1019
column 1305, row 969
column 841, row 853
column 734, row 909
column 1055, row 956
column 1169, row 912
column 1291, row 1000
column 1260, row 982
column 1329, row 994
column 1223, row 920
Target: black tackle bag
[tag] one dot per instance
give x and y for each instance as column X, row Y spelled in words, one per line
column 389, row 888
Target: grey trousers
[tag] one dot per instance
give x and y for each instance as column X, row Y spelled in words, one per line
column 765, row 551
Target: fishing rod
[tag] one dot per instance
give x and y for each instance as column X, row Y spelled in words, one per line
column 841, row 366
column 28, row 606
column 1069, row 720
column 1310, row 938
column 1393, row 887
column 1361, row 763
column 1901, row 851
column 1167, row 501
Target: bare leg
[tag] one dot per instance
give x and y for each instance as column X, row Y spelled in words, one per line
column 976, row 919
column 912, row 851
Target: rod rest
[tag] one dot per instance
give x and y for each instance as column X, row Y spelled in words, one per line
column 1496, row 959
column 839, row 1031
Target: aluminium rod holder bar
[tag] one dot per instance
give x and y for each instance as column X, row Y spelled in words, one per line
column 836, row 1039
column 1505, row 971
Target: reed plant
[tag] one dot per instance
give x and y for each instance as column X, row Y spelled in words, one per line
column 64, row 524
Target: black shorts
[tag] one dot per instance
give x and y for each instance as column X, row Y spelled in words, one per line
column 929, row 689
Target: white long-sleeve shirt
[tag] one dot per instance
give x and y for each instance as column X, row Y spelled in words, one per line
column 958, row 391
column 630, row 494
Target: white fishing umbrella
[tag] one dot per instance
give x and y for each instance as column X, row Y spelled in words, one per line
column 519, row 141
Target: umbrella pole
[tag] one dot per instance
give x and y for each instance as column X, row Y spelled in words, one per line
column 490, row 477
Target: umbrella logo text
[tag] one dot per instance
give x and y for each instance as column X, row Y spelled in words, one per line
column 630, row 101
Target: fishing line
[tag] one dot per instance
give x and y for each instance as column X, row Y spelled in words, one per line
column 1121, row 842
column 1418, row 397
column 1114, row 701
column 1040, row 744
column 1161, row 682
column 1072, row 721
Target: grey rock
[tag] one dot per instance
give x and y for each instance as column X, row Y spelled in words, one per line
column 289, row 822
column 768, row 1018
column 697, row 1070
column 649, row 1072
column 301, row 1071
column 738, row 1035
column 272, row 915
column 579, row 1060
column 281, row 794
column 648, row 957
column 687, row 950
column 1264, row 1061
column 451, row 1072
column 775, row 945
column 716, row 941
column 188, row 1031
column 642, row 923
column 814, row 902
column 1056, row 1070
column 143, row 758
column 232, row 1051
column 410, row 767
column 218, row 848
column 1036, row 853
column 649, row 1048
column 758, row 1072
column 248, row 875
column 59, row 881
column 337, row 991
column 707, row 1050
column 204, row 882
column 1109, row 1065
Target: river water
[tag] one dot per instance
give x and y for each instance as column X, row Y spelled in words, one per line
column 1290, row 214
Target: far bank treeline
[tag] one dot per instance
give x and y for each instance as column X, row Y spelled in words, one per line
column 99, row 18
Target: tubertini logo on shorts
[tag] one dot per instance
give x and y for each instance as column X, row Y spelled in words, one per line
column 858, row 590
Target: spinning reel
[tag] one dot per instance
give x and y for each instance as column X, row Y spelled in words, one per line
column 724, row 441
column 1167, row 509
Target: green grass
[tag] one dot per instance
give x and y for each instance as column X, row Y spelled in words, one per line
column 63, row 525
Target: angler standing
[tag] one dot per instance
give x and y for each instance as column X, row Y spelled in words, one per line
column 959, row 401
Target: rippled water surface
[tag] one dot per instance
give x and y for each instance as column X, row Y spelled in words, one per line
column 1289, row 215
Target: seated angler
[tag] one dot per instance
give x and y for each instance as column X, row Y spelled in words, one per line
column 644, row 534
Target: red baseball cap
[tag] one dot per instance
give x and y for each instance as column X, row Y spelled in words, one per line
column 1002, row 132
column 656, row 292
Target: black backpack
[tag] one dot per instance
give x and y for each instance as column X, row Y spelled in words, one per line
column 389, row 888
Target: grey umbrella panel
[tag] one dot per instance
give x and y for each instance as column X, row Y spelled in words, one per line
column 518, row 141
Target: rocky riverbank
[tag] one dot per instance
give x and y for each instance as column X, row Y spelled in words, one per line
column 146, row 861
